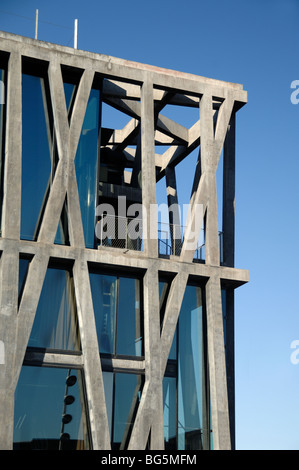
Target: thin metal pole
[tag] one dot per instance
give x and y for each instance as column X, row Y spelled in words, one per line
column 36, row 23
column 76, row 34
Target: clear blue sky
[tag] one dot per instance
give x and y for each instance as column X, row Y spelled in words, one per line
column 253, row 42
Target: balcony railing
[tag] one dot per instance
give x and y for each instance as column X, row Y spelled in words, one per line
column 126, row 233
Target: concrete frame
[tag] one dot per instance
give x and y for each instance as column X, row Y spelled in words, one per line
column 125, row 84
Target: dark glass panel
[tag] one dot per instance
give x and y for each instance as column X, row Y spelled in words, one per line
column 129, row 336
column 23, row 268
column 122, row 395
column 163, row 292
column 86, row 164
column 108, row 378
column 104, row 296
column 117, row 305
column 170, row 412
column 43, row 418
column 191, row 406
column 126, row 400
column 55, row 325
column 36, row 154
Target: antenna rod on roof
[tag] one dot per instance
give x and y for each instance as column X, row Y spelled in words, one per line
column 36, row 23
column 76, row 34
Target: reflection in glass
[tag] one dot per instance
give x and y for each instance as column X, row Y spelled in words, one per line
column 185, row 391
column 55, row 324
column 169, row 415
column 190, row 371
column 163, row 293
column 44, row 419
column 129, row 340
column 122, row 393
column 36, row 153
column 117, row 305
column 86, row 167
column 103, row 290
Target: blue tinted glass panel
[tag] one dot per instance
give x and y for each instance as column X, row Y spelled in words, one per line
column 163, row 292
column 87, row 167
column 129, row 336
column 104, row 296
column 108, row 379
column 169, row 412
column 190, row 371
column 44, row 419
column 126, row 400
column 55, row 324
column 117, row 305
column 36, row 156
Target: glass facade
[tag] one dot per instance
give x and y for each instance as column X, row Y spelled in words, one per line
column 86, row 159
column 39, row 158
column 50, row 410
column 122, row 394
column 37, row 153
column 186, row 396
column 55, row 325
column 117, row 307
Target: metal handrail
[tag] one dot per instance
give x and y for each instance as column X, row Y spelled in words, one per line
column 125, row 236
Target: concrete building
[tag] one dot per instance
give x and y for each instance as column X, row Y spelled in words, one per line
column 112, row 335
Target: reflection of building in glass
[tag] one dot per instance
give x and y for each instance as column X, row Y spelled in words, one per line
column 118, row 333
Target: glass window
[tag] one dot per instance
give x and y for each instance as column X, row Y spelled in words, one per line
column 117, row 307
column 50, row 410
column 163, row 292
column 86, row 164
column 55, row 324
column 86, row 160
column 36, row 154
column 129, row 337
column 190, row 371
column 122, row 393
column 185, row 390
column 104, row 292
column 170, row 412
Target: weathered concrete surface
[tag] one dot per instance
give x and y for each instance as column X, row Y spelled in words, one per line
column 152, row 86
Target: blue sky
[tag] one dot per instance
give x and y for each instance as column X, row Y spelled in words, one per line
column 254, row 43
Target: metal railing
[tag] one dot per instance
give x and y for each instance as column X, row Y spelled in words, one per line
column 120, row 232
column 126, row 233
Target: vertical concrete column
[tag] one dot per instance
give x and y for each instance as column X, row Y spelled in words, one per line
column 148, row 168
column 230, row 357
column 229, row 195
column 229, row 260
column 13, row 150
column 149, row 418
column 152, row 346
column 217, row 366
column 209, row 164
column 9, row 268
